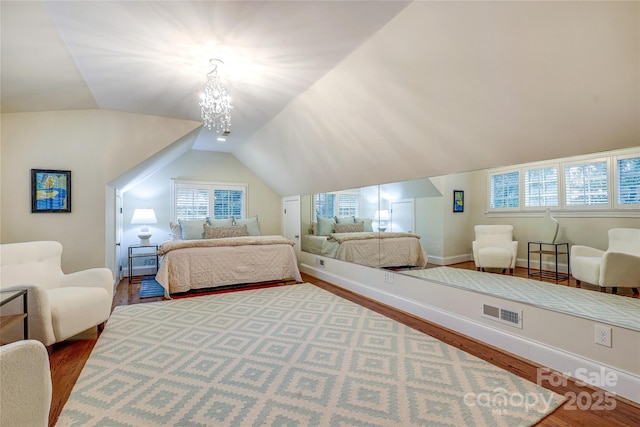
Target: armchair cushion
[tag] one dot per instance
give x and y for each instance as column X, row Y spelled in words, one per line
column 494, row 247
column 60, row 305
column 25, row 384
column 618, row 266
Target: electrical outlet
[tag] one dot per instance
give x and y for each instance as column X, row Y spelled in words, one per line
column 319, row 262
column 388, row 277
column 603, row 335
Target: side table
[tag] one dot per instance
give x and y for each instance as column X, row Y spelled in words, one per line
column 543, row 248
column 8, row 321
column 144, row 253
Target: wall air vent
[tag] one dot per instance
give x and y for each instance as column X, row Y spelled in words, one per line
column 502, row 315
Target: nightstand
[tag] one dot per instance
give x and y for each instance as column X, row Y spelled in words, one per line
column 8, row 321
column 142, row 251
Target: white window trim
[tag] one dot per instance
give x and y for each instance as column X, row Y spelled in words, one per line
column 614, row 184
column 613, row 209
column 211, row 185
column 494, row 172
column 523, row 171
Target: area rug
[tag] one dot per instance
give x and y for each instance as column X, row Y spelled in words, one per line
column 290, row 355
column 597, row 306
column 149, row 287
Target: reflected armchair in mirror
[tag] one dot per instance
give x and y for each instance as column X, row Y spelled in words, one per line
column 494, row 247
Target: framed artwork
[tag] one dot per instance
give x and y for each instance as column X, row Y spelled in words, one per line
column 50, row 190
column 458, row 201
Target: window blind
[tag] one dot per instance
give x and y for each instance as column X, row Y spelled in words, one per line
column 541, row 187
column 586, row 184
column 504, row 191
column 628, row 181
column 199, row 200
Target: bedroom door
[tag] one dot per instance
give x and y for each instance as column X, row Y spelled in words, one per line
column 291, row 221
column 402, row 217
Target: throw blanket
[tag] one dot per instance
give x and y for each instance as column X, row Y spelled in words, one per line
column 171, row 245
column 343, row 237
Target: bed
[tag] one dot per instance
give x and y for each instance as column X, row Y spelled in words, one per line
column 223, row 262
column 373, row 249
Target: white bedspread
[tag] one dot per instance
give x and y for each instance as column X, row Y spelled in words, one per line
column 370, row 249
column 207, row 263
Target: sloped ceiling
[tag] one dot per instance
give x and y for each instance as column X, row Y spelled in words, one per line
column 332, row 95
column 457, row 86
column 152, row 57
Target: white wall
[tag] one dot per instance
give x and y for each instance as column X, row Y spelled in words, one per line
column 96, row 146
column 447, row 87
column 154, row 192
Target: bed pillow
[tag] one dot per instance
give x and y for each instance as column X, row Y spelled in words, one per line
column 221, row 232
column 253, row 226
column 227, row 222
column 192, row 229
column 345, row 220
column 325, row 226
column 176, row 231
column 367, row 224
column 349, row 228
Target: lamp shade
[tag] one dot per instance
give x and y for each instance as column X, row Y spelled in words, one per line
column 144, row 216
column 381, row 215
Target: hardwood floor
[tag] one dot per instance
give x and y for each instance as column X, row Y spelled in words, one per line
column 68, row 358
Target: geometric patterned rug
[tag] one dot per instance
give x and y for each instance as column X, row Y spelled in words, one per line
column 598, row 306
column 289, row 355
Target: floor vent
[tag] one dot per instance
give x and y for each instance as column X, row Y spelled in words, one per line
column 502, row 315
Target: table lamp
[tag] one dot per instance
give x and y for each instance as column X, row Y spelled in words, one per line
column 144, row 217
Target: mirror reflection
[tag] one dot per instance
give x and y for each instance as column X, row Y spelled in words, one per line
column 374, row 226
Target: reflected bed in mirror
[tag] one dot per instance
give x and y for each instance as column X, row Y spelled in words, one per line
column 357, row 226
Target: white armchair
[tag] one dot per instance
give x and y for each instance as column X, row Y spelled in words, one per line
column 494, row 247
column 60, row 305
column 25, row 384
column 618, row 266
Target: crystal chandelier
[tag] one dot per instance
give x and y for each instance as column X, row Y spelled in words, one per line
column 215, row 103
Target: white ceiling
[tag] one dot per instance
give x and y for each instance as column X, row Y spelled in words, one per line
column 152, row 57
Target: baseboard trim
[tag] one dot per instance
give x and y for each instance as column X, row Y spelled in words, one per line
column 627, row 384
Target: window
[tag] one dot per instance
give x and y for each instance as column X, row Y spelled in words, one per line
column 590, row 185
column 504, row 189
column 541, row 187
column 586, row 184
column 628, row 181
column 198, row 200
column 340, row 203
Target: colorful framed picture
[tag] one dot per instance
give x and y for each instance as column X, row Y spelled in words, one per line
column 458, row 201
column 50, row 190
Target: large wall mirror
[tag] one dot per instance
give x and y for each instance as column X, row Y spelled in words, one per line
column 394, row 216
column 377, row 226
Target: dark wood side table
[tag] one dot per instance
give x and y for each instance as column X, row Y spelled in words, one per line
column 6, row 322
column 555, row 249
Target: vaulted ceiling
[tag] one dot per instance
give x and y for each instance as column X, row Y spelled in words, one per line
column 331, row 95
column 152, row 57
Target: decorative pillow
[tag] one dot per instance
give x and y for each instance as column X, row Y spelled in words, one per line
column 314, row 228
column 325, row 226
column 253, row 226
column 220, row 232
column 227, row 222
column 367, row 224
column 345, row 220
column 176, row 231
column 192, row 229
column 349, row 228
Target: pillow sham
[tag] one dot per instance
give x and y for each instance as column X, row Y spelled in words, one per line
column 349, row 228
column 192, row 229
column 227, row 222
column 345, row 220
column 325, row 226
column 222, row 232
column 176, row 231
column 368, row 226
column 253, row 226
